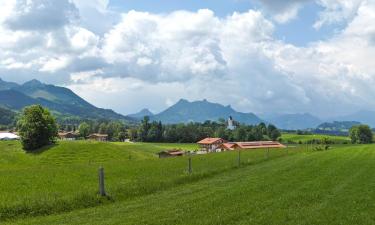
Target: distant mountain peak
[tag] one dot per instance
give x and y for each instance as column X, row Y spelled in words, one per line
column 182, row 100
column 200, row 111
column 33, row 83
column 139, row 115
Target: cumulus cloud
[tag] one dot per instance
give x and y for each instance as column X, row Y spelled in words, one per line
column 283, row 11
column 337, row 11
column 41, row 15
column 163, row 57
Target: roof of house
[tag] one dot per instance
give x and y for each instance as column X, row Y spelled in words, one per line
column 66, row 134
column 172, row 152
column 229, row 146
column 208, row 141
column 260, row 144
column 98, row 135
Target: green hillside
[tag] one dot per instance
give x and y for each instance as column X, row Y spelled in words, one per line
column 297, row 138
column 59, row 186
column 63, row 102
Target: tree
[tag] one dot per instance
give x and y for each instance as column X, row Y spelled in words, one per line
column 360, row 134
column 84, row 129
column 273, row 132
column 103, row 128
column 37, row 127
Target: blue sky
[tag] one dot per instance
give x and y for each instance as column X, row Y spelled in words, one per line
column 262, row 56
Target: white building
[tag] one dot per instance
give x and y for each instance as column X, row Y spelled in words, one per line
column 231, row 125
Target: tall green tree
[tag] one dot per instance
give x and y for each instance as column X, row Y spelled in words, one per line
column 84, row 129
column 37, row 127
column 360, row 134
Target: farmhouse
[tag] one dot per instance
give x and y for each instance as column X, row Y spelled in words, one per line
column 98, row 137
column 68, row 136
column 228, row 146
column 219, row 144
column 211, row 144
column 171, row 153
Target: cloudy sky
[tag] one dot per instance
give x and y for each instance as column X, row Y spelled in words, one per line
column 257, row 55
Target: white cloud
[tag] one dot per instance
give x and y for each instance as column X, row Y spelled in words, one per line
column 337, row 11
column 194, row 55
column 285, row 10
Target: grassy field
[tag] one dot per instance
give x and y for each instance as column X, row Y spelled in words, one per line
column 295, row 138
column 59, row 186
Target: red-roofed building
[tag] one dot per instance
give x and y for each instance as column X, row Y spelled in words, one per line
column 219, row 144
column 211, row 144
column 228, row 146
column 171, row 153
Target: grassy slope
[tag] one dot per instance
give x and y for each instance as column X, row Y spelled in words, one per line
column 64, row 177
column 331, row 187
column 304, row 138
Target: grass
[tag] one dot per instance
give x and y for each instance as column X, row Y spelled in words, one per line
column 296, row 138
column 328, row 187
column 63, row 177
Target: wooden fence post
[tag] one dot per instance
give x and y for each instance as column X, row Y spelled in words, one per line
column 190, row 169
column 239, row 158
column 101, row 182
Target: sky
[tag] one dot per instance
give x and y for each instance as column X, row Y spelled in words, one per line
column 261, row 56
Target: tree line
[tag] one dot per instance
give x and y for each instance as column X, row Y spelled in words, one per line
column 37, row 128
column 152, row 131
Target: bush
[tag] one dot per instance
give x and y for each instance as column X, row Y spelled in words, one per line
column 36, row 127
column 360, row 134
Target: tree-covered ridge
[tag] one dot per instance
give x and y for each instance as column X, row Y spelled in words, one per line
column 62, row 102
column 7, row 118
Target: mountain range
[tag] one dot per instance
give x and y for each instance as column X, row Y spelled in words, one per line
column 61, row 101
column 65, row 103
column 200, row 111
column 294, row 121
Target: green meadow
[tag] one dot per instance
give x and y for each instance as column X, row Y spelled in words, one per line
column 297, row 138
column 59, row 185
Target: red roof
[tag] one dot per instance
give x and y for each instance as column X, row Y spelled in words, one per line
column 208, row 141
column 173, row 152
column 229, row 146
column 260, row 144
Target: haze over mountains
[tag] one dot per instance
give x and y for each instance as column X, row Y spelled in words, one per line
column 63, row 102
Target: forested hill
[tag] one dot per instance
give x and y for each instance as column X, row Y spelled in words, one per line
column 61, row 101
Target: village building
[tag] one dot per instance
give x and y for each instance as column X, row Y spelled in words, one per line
column 67, row 136
column 231, row 125
column 211, row 144
column 171, row 153
column 7, row 136
column 228, row 146
column 219, row 144
column 98, row 137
